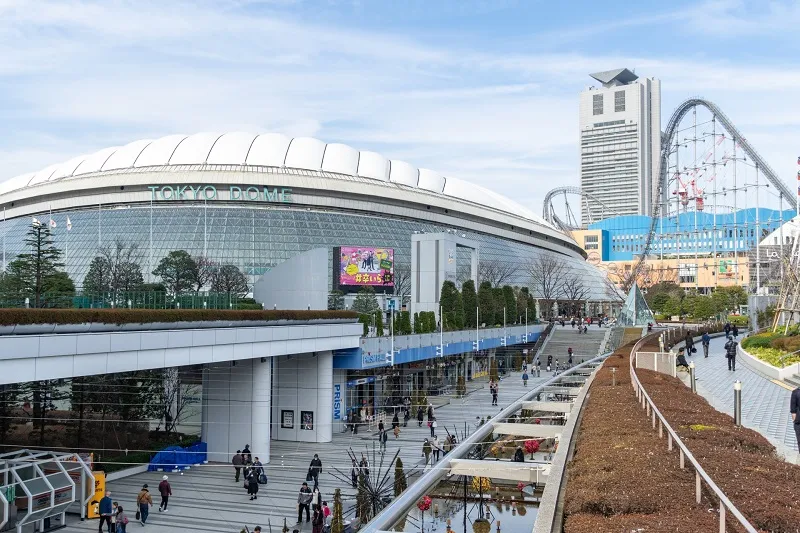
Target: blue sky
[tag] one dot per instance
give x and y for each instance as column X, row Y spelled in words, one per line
column 477, row 89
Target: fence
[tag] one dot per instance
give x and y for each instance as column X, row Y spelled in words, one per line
column 663, row 362
column 125, row 299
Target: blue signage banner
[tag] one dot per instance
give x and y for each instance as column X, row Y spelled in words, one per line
column 337, row 402
column 369, row 360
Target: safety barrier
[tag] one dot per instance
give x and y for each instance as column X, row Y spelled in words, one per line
column 673, row 440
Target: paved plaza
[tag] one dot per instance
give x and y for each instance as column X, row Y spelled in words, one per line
column 206, row 498
column 765, row 404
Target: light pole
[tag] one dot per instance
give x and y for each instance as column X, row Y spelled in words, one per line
column 737, row 402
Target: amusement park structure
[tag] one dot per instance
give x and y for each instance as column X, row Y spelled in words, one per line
column 710, row 178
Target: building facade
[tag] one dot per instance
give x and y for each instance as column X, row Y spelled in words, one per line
column 620, row 143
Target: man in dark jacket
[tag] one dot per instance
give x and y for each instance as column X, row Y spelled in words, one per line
column 519, row 455
column 315, row 469
column 794, row 408
column 689, row 343
column 730, row 354
column 106, row 510
column 303, row 502
column 237, row 463
column 166, row 491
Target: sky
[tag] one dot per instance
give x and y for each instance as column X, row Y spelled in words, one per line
column 481, row 90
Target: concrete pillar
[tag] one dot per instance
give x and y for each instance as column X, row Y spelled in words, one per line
column 304, row 396
column 325, row 396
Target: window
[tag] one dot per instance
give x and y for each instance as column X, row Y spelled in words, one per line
column 590, row 242
column 619, row 101
column 597, row 104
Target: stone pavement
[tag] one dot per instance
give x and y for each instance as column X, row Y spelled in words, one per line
column 765, row 404
column 206, row 498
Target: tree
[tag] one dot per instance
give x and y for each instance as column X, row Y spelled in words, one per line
column 450, row 302
column 97, row 278
column 417, row 323
column 30, row 274
column 497, row 272
column 203, row 273
column 575, row 291
column 547, row 274
column 337, row 522
column 493, row 375
column 153, row 287
column 58, row 290
column 402, row 283
column 400, row 481
column 42, row 396
column 486, row 303
column 170, row 397
column 379, row 323
column 229, row 279
column 728, row 299
column 115, row 269
column 510, row 302
column 469, row 300
column 673, row 306
column 336, row 301
column 363, row 503
column 499, row 304
column 9, row 398
column 703, row 307
column 177, row 270
column 365, row 301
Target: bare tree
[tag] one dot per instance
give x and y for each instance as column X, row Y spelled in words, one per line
column 547, row 275
column 204, row 272
column 497, row 272
column 172, row 397
column 575, row 291
column 115, row 269
column 402, row 283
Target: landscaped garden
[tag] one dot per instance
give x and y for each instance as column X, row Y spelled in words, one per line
column 777, row 349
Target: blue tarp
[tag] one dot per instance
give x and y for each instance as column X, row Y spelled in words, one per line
column 177, row 458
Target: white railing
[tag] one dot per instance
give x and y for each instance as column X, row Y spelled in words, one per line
column 672, row 439
column 663, row 362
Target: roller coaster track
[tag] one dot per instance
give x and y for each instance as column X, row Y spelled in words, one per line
column 668, row 140
column 549, row 214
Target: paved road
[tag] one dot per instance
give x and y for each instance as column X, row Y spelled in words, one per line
column 765, row 404
column 206, row 498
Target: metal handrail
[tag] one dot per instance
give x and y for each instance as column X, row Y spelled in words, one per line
column 647, row 404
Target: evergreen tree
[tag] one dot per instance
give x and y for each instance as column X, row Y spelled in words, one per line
column 229, row 279
column 177, row 270
column 493, row 370
column 336, row 301
column 486, row 304
column 97, row 278
column 406, row 320
column 363, row 503
column 448, row 297
column 400, row 481
column 9, row 398
column 379, row 323
column 337, row 522
column 499, row 303
column 365, row 301
column 458, row 313
column 469, row 299
column 417, row 324
column 42, row 397
column 510, row 304
column 522, row 303
column 38, row 270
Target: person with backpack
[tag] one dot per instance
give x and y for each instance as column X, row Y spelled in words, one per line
column 144, row 501
column 166, row 491
column 735, row 331
column 121, row 521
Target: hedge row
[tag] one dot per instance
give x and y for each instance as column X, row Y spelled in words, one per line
column 10, row 317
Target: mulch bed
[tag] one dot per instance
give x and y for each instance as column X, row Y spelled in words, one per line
column 622, row 477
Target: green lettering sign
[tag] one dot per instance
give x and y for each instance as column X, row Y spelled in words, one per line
column 249, row 193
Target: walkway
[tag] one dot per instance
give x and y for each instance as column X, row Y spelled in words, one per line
column 584, row 345
column 765, row 404
column 206, row 498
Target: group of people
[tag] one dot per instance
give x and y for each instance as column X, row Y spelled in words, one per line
column 731, row 333
column 113, row 515
column 253, row 471
column 437, row 448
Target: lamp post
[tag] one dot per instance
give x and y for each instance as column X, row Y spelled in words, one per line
column 737, row 402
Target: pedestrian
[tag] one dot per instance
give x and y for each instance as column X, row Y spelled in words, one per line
column 252, row 485
column 436, row 447
column 237, row 462
column 426, row 451
column 106, row 510
column 395, row 422
column 430, row 412
column 318, row 521
column 727, row 329
column 381, row 427
column 794, row 408
column 706, row 340
column 326, row 511
column 166, row 491
column 494, row 396
column 735, row 331
column 447, row 445
column 420, row 416
column 550, row 361
column 382, row 438
column 433, row 426
column 569, row 355
column 396, row 432
column 354, row 474
column 247, row 456
column 519, row 455
column 689, row 344
column 315, row 469
column 316, row 499
column 303, row 502
column 363, row 466
column 144, row 501
column 120, row 520
column 525, row 378
column 406, row 416
column 730, row 354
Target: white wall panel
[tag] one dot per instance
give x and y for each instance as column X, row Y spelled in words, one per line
column 67, row 169
column 430, row 180
column 94, row 162
column 305, row 153
column 125, row 156
column 268, row 150
column 373, row 165
column 403, row 173
column 341, row 159
column 194, row 149
column 158, row 152
column 231, row 149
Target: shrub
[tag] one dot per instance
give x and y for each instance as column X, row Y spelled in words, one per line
column 773, row 356
column 739, row 320
column 762, row 340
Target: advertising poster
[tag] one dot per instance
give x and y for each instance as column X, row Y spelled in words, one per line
column 287, row 419
column 361, row 265
column 307, row 420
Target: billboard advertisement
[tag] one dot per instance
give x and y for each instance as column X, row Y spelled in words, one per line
column 361, row 265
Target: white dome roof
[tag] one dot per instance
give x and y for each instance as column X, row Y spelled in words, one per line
column 272, row 150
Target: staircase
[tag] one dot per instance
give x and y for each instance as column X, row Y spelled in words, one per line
column 584, row 346
column 793, row 380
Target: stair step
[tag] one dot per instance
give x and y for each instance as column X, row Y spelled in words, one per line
column 793, row 380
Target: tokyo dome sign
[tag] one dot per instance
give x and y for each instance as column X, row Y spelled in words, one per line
column 210, row 192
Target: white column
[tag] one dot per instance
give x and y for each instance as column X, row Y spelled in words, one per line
column 261, row 408
column 324, row 412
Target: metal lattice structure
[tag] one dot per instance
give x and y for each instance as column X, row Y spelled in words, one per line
column 572, row 222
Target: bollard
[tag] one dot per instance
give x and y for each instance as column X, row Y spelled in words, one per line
column 692, row 379
column 613, row 376
column 737, row 402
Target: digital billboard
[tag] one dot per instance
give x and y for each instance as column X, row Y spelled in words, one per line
column 359, row 265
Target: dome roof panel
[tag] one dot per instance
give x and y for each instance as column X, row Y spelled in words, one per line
column 268, row 150
column 341, row 159
column 231, row 149
column 305, row 153
column 94, row 162
column 431, row 180
column 67, row 169
column 159, row 152
column 403, row 173
column 373, row 165
column 43, row 175
column 125, row 156
column 194, row 149
column 17, row 182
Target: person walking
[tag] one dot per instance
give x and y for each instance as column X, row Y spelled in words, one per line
column 727, row 329
column 247, row 456
column 165, row 490
column 430, row 412
column 382, row 438
column 144, row 501
column 315, row 469
column 303, row 503
column 448, row 445
column 735, row 331
column 237, row 462
column 395, row 422
column 316, row 499
column 406, row 416
column 420, row 416
column 106, row 509
column 326, row 511
column 705, row 340
column 252, row 484
column 794, row 409
column 525, row 378
column 426, row 451
column 120, row 520
column 354, row 474
column 317, row 521
column 550, row 361
column 436, row 448
column 381, row 427
column 396, row 432
column 494, row 396
column 730, row 354
column 433, row 426
column 569, row 355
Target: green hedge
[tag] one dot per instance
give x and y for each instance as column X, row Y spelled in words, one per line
column 10, row 317
column 762, row 340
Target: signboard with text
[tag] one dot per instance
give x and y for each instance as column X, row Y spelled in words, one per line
column 362, row 266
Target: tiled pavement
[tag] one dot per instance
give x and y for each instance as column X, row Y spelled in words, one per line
column 207, row 499
column 765, row 405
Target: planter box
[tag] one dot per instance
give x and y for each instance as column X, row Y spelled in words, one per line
column 768, row 370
